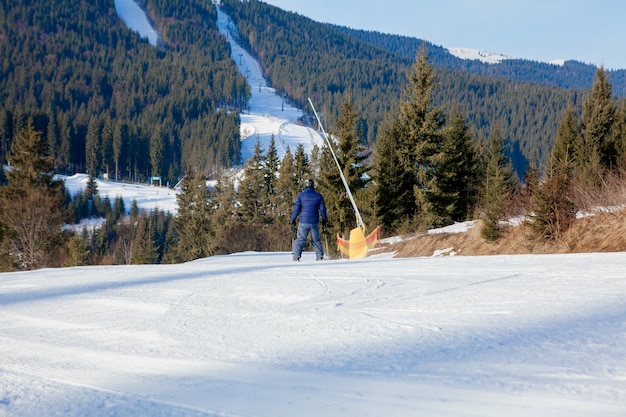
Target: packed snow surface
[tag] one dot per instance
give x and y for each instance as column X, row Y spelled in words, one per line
column 255, row 334
column 268, row 114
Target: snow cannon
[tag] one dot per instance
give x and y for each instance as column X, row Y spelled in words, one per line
column 358, row 244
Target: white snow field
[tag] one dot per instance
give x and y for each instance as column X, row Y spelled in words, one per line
column 255, row 334
column 268, row 113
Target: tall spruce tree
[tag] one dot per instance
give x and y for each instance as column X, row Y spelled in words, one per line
column 596, row 148
column 271, row 166
column 394, row 201
column 459, row 172
column 196, row 235
column 498, row 186
column 407, row 150
column 32, row 205
column 302, row 166
column 145, row 249
column 351, row 155
column 564, row 148
column 251, row 193
column 286, row 186
column 552, row 209
column 619, row 133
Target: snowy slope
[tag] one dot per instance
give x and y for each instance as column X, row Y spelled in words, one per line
column 489, row 57
column 483, row 56
column 256, row 335
column 268, row 114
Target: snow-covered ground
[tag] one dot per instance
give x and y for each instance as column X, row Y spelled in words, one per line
column 148, row 197
column 268, row 113
column 489, row 57
column 135, row 18
column 254, row 334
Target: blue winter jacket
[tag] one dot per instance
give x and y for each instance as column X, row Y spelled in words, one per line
column 309, row 205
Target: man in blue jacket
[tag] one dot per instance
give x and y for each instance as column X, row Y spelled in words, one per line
column 309, row 206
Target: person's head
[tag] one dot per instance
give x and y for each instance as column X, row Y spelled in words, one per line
column 309, row 183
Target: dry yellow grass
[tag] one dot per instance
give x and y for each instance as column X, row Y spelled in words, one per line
column 603, row 232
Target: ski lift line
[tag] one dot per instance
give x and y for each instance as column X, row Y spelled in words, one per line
column 343, row 178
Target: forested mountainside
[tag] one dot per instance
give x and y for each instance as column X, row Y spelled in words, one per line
column 76, row 68
column 305, row 58
column 109, row 102
column 572, row 74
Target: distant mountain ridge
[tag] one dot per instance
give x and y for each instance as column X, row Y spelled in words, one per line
column 565, row 74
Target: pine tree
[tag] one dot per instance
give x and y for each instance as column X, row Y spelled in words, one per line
column 596, row 148
column 406, row 151
column 302, row 166
column 271, row 166
column 498, row 186
column 32, row 204
column 251, row 192
column 459, row 172
column 619, row 133
column 286, row 186
column 394, row 200
column 196, row 236
column 567, row 136
column 92, row 146
column 157, row 148
column 346, row 141
column 552, row 209
column 144, row 247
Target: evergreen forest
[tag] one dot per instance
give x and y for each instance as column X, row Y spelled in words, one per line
column 423, row 141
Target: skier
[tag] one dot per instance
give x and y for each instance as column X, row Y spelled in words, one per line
column 309, row 206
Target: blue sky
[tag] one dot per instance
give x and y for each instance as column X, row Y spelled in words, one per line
column 593, row 32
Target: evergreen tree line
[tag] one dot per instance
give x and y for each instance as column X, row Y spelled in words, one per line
column 303, row 58
column 426, row 170
column 571, row 74
column 108, row 102
column 587, row 163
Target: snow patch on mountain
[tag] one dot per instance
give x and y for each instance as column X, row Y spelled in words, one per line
column 483, row 56
column 489, row 57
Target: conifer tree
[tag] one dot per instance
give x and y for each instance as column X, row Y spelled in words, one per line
column 552, row 209
column 619, row 133
column 567, row 136
column 157, row 148
column 32, row 204
column 405, row 152
column 425, row 123
column 78, row 251
column 251, row 193
column 286, row 186
column 271, row 166
column 497, row 188
column 302, row 166
column 145, row 250
column 596, row 149
column 92, row 146
column 196, row 236
column 458, row 173
column 346, row 141
column 106, row 144
column 393, row 184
